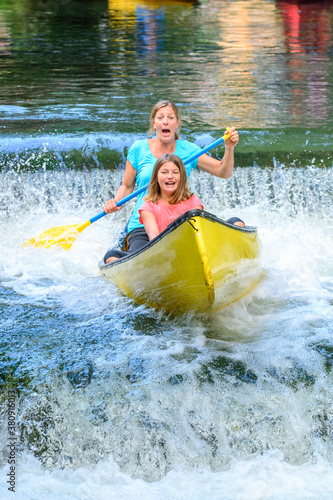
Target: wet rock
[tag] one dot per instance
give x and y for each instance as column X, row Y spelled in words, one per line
column 223, row 366
column 78, row 374
column 294, row 377
column 326, row 351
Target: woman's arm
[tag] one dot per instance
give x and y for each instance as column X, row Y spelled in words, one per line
column 125, row 189
column 150, row 224
column 224, row 167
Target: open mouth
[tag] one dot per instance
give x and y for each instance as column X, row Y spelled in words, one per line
column 166, row 130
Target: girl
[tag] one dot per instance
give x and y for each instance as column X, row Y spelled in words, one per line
column 168, row 196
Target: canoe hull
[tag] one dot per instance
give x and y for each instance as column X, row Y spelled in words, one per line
column 198, row 264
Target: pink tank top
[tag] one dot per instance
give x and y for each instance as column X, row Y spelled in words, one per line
column 165, row 214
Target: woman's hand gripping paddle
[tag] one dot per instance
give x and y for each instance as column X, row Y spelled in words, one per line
column 64, row 236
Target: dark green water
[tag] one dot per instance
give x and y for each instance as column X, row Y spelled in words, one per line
column 87, row 71
column 119, row 401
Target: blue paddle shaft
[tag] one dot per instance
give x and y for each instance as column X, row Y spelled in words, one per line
column 139, row 191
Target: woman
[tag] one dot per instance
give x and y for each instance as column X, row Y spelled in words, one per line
column 142, row 156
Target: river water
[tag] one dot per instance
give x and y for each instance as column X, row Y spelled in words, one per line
column 109, row 399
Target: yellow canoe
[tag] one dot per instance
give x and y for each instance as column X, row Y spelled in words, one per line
column 200, row 263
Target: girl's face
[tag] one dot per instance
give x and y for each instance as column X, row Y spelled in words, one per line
column 168, row 178
column 166, row 123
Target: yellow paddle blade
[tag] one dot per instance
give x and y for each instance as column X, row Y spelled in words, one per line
column 63, row 236
column 227, row 135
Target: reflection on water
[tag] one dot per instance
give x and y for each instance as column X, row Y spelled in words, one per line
column 307, row 26
column 252, row 63
column 308, row 35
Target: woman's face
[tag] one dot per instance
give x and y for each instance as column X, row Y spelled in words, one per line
column 168, row 178
column 166, row 123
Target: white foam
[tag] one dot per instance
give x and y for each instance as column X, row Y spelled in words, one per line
column 266, row 477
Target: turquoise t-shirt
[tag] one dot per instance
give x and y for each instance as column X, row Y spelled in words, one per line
column 141, row 158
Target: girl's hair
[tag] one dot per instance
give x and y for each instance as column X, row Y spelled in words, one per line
column 158, row 106
column 182, row 192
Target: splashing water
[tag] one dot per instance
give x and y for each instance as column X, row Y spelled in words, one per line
column 101, row 377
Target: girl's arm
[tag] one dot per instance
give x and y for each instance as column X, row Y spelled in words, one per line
column 125, row 189
column 150, row 224
column 224, row 167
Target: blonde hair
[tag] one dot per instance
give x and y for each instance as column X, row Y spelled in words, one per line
column 182, row 192
column 158, row 106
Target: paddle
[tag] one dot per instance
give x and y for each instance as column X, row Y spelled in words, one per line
column 65, row 236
